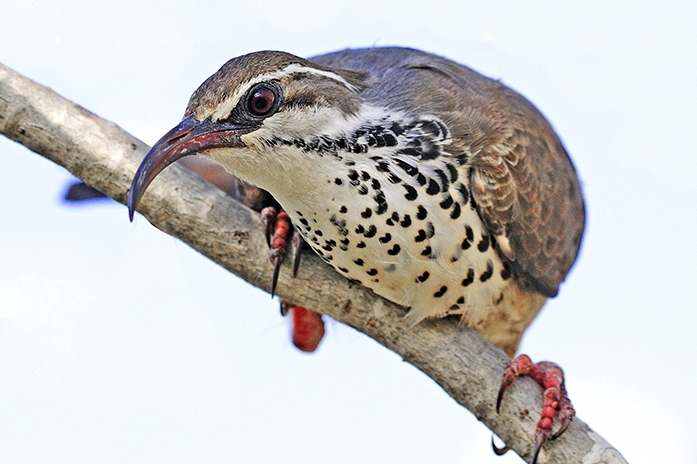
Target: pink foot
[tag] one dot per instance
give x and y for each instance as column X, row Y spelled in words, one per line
column 550, row 377
column 278, row 231
column 308, row 326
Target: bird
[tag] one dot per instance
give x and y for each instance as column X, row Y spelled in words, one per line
column 438, row 188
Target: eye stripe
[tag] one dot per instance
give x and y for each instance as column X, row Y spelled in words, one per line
column 226, row 106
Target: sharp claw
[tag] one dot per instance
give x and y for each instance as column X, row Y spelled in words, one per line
column 268, row 217
column 285, row 308
column 276, row 261
column 562, row 428
column 510, row 374
column 298, row 246
column 539, row 442
column 566, row 414
column 499, row 397
column 499, row 451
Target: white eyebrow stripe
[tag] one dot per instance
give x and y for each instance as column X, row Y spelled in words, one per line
column 227, row 105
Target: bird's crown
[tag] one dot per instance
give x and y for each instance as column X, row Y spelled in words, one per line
column 253, row 87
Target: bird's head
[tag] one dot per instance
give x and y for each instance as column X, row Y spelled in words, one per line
column 254, row 104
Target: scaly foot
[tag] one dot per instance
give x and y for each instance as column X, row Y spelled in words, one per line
column 308, row 326
column 550, row 377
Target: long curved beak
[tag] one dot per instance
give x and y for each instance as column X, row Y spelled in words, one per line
column 187, row 138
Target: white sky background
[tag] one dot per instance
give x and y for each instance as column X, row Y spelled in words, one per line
column 121, row 344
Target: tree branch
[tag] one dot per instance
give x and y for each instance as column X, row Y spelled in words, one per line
column 179, row 203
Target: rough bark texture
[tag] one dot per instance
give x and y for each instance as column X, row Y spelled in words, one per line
column 178, row 202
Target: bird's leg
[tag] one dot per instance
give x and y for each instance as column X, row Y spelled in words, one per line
column 556, row 401
column 278, row 231
column 308, row 326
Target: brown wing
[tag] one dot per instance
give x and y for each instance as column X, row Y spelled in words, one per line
column 522, row 179
column 527, row 191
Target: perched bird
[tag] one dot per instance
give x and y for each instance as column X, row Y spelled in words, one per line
column 440, row 189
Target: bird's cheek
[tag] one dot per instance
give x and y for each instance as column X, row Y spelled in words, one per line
column 227, row 158
column 249, row 140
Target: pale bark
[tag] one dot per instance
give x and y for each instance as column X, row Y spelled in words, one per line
column 465, row 365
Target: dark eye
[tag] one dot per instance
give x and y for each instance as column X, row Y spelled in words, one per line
column 262, row 100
